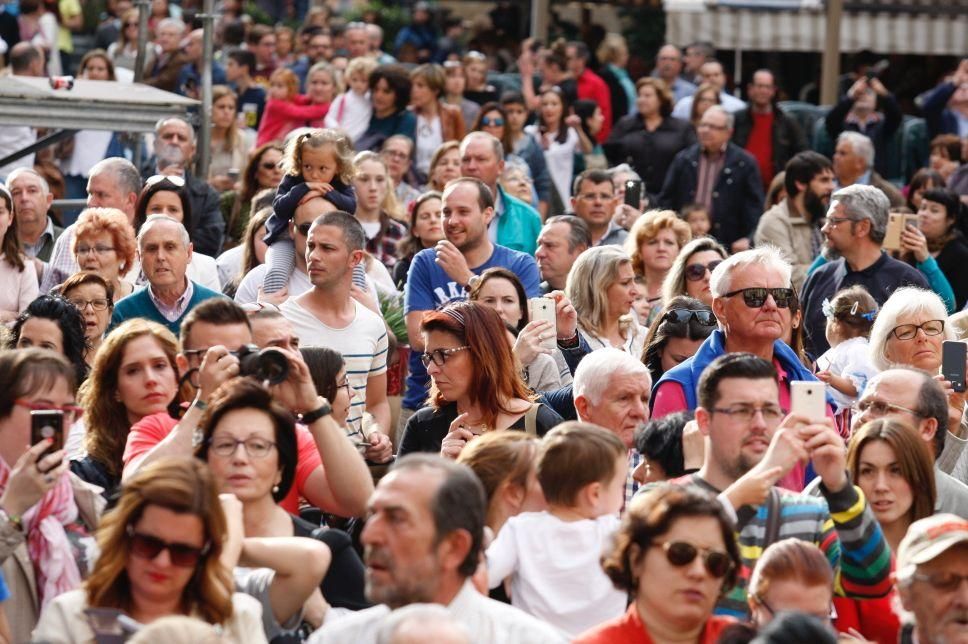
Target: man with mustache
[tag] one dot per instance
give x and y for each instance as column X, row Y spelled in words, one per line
column 793, row 225
column 853, row 235
column 422, row 543
column 932, row 571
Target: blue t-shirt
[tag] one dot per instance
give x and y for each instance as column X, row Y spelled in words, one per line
column 429, row 287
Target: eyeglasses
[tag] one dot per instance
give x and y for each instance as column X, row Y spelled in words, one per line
column 174, row 179
column 70, row 410
column 303, row 229
column 834, row 221
column 496, row 122
column 149, row 547
column 268, row 165
column 99, row 304
column 746, row 413
column 710, row 126
column 254, row 447
column 681, row 553
column 880, row 408
column 944, row 581
column 755, row 297
column 100, row 250
column 909, row 331
column 702, row 316
column 695, row 272
column 440, row 356
column 345, row 384
column 825, row 618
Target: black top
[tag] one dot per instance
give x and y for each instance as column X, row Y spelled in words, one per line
column 952, row 261
column 343, row 584
column 650, row 153
column 426, row 429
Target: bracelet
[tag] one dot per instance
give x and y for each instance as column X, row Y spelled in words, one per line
column 569, row 343
column 324, row 409
column 14, row 519
column 199, row 403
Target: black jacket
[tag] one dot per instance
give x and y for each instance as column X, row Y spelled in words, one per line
column 737, row 197
column 620, row 101
column 788, row 138
column 649, row 153
column 879, row 132
column 208, row 226
column 952, row 260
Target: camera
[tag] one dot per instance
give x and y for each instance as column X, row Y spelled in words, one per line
column 265, row 365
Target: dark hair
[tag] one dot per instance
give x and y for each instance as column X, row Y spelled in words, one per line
column 257, row 32
column 410, row 245
column 731, row 365
column 578, row 234
column 26, row 371
column 249, row 184
column 324, row 365
column 10, row 244
column 932, row 403
column 22, row 56
column 949, row 143
column 595, row 176
column 660, row 440
column 512, row 97
column 353, row 234
column 459, row 503
column 498, row 272
column 97, row 53
column 585, row 109
column 399, row 82
column 573, row 455
column 803, row 167
column 492, row 106
column 81, row 278
column 69, row 321
column 921, row 179
column 850, row 305
column 562, row 134
column 662, row 92
column 949, row 199
column 242, row 58
column 662, row 330
column 141, row 210
column 485, row 199
column 246, row 393
column 219, row 311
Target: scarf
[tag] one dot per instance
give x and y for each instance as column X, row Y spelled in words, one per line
column 47, row 543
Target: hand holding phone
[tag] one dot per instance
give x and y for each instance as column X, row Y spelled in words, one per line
column 808, row 399
column 953, row 354
column 47, row 424
column 543, row 308
column 633, row 193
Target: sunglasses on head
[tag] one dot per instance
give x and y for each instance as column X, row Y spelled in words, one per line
column 174, row 179
column 755, row 297
column 702, row 316
column 681, row 553
column 149, row 547
column 695, row 272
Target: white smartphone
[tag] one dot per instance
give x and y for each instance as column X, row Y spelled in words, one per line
column 808, row 398
column 543, row 308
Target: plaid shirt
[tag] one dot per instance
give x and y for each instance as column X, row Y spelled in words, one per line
column 384, row 245
column 62, row 263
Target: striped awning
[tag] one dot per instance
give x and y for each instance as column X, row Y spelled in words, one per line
column 880, row 30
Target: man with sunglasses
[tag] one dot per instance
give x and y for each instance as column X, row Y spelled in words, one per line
column 915, row 398
column 750, row 444
column 932, row 580
column 853, row 235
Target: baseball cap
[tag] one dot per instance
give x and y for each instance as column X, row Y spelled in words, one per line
column 928, row 538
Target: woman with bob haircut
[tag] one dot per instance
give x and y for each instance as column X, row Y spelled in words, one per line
column 677, row 333
column 791, row 575
column 171, row 507
column 104, row 242
column 601, row 287
column 691, row 272
column 653, row 244
column 94, row 298
column 51, row 322
column 676, row 554
column 475, row 385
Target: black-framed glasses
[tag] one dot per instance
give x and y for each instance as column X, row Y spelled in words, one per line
column 880, row 408
column 682, row 553
column 254, row 447
column 755, row 297
column 695, row 272
column 702, row 316
column 946, row 582
column 303, row 229
column 909, row 331
column 98, row 304
column 149, row 547
column 440, row 356
column 746, row 413
column 345, row 384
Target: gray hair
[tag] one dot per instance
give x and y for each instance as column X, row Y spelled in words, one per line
column 674, row 284
column 730, row 119
column 905, row 302
column 171, row 22
column 767, row 256
column 490, row 138
column 623, row 168
column 128, row 177
column 860, row 144
column 423, row 614
column 578, row 233
column 595, row 371
column 13, row 176
column 165, row 120
column 153, row 220
column 865, row 202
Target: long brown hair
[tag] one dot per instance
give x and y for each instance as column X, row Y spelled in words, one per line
column 232, row 132
column 495, row 377
column 10, row 245
column 186, row 486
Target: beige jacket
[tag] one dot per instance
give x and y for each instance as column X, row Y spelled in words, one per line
column 792, row 235
column 23, row 607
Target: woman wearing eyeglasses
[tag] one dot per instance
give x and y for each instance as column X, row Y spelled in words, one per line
column 104, row 242
column 676, row 554
column 475, row 386
column 94, row 298
column 679, row 330
column 46, row 513
column 653, row 244
column 692, row 270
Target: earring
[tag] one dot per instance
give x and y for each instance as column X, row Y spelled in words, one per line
column 275, row 489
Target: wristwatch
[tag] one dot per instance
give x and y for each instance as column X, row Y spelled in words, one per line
column 472, row 282
column 324, row 409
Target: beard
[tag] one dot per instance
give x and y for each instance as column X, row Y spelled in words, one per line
column 830, row 253
column 814, row 205
column 418, row 584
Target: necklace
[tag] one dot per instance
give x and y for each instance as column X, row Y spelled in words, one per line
column 472, row 426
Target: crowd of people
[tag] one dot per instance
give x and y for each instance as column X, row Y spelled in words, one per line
column 432, row 355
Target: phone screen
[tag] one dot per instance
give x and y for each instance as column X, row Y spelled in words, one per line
column 633, row 193
column 953, row 363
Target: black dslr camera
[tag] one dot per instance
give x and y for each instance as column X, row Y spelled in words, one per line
column 265, row 365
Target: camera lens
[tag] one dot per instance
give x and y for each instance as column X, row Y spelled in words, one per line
column 272, row 366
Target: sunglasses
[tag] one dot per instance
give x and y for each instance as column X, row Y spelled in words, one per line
column 148, row 547
column 497, row 122
column 755, row 297
column 268, row 165
column 695, row 272
column 174, row 179
column 702, row 316
column 680, row 553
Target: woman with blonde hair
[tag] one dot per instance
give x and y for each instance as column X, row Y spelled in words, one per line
column 230, row 145
column 124, row 52
column 653, row 244
column 692, row 270
column 601, row 287
column 444, row 166
column 376, row 207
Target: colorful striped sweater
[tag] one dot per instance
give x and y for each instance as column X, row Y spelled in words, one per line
column 841, row 525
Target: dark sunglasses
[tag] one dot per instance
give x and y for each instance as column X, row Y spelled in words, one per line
column 702, row 316
column 681, row 553
column 695, row 272
column 497, row 122
column 182, row 555
column 268, row 165
column 304, row 228
column 755, row 297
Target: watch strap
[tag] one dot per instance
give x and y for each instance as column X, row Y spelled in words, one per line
column 324, row 409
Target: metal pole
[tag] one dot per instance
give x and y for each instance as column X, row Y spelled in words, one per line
column 831, row 53
column 738, row 72
column 540, row 10
column 144, row 6
column 204, row 152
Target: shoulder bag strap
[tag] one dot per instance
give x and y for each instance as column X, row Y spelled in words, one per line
column 531, row 420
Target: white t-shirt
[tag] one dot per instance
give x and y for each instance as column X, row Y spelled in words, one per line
column 248, row 291
column 555, row 571
column 850, row 359
column 363, row 343
column 229, row 264
column 430, row 136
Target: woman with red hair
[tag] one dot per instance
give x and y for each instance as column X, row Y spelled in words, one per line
column 475, row 385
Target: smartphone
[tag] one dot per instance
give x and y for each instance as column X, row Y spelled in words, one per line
column 808, row 398
column 543, row 308
column 47, row 423
column 633, row 193
column 953, row 355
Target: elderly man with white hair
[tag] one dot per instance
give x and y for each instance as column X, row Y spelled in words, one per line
column 165, row 251
column 31, row 201
column 854, row 164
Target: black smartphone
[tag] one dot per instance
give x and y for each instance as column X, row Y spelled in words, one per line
column 953, row 363
column 633, row 193
column 47, row 423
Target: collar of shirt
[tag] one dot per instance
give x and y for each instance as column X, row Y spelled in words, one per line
column 172, row 313
column 32, row 249
column 717, row 156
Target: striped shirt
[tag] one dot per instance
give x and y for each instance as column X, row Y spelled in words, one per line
column 363, row 344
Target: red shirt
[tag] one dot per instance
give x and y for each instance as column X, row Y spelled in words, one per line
column 629, row 629
column 760, row 144
column 592, row 87
column 282, row 117
column 151, row 430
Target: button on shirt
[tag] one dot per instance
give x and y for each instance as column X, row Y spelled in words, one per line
column 172, row 313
